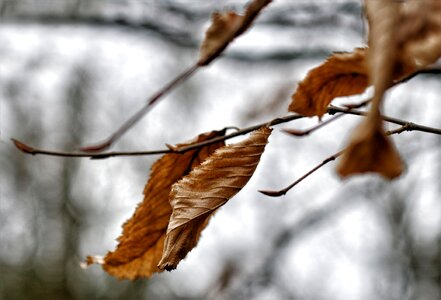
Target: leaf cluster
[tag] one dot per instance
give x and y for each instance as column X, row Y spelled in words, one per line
column 192, row 180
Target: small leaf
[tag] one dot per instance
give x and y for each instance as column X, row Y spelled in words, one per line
column 209, row 186
column 225, row 28
column 142, row 241
column 370, row 150
column 342, row 74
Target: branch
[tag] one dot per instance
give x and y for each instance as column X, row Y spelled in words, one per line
column 285, row 190
column 211, row 48
column 409, row 126
column 36, row 151
column 406, row 126
column 140, row 113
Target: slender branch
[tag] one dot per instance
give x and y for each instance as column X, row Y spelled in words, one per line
column 139, row 114
column 246, row 130
column 306, row 175
column 409, row 126
column 252, row 11
column 406, row 126
column 36, row 151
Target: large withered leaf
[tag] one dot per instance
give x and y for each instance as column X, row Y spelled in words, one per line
column 225, row 27
column 370, row 150
column 342, row 74
column 210, row 185
column 142, row 241
column 383, row 19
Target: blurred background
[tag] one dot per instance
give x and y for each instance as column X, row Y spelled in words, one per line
column 71, row 71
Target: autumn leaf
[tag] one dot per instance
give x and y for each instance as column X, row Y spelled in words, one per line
column 209, row 186
column 418, row 32
column 383, row 18
column 403, row 37
column 225, row 27
column 142, row 241
column 342, row 74
column 370, row 150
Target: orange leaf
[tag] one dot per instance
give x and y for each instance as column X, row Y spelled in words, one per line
column 225, row 28
column 370, row 150
column 403, row 37
column 209, row 186
column 142, row 241
column 342, row 74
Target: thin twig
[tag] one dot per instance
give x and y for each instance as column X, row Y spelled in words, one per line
column 140, row 113
column 409, row 126
column 285, row 190
column 406, row 126
column 35, row 151
column 252, row 11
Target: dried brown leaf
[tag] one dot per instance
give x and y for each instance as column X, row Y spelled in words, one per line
column 403, row 37
column 225, row 28
column 370, row 150
column 142, row 241
column 209, row 186
column 383, row 18
column 419, row 32
column 342, row 74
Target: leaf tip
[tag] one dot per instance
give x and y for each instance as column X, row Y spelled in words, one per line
column 370, row 151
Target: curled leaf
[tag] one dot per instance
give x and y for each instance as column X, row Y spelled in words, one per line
column 342, row 74
column 404, row 36
column 370, row 150
column 142, row 241
column 209, row 186
column 225, row 27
